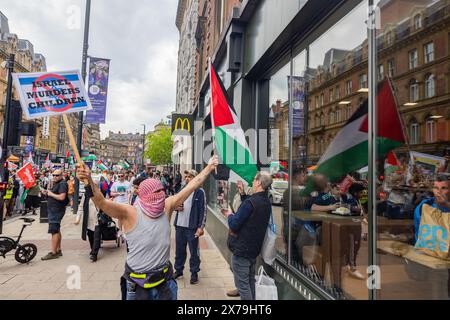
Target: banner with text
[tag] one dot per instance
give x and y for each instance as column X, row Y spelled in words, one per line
column 26, row 175
column 98, row 89
column 44, row 94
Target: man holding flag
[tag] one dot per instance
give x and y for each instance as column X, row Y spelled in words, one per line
column 249, row 224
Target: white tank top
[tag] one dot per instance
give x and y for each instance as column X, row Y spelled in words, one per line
column 148, row 243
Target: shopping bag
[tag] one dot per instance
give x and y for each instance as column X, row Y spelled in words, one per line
column 433, row 236
column 265, row 288
column 268, row 251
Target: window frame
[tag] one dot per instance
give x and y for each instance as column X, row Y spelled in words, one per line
column 413, row 62
column 426, row 55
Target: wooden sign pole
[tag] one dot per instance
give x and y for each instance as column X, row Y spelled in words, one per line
column 73, row 143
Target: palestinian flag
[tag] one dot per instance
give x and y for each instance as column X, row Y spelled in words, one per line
column 349, row 150
column 127, row 164
column 23, row 196
column 229, row 137
column 102, row 166
column 391, row 163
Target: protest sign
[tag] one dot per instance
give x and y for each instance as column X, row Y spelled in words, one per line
column 43, row 94
column 26, row 175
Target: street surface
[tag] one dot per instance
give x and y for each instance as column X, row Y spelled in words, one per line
column 100, row 280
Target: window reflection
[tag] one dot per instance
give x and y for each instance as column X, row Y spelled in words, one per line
column 413, row 178
column 326, row 245
column 279, row 153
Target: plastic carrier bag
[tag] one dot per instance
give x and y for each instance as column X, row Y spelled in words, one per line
column 268, row 250
column 265, row 288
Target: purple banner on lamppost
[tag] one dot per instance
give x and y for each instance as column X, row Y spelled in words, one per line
column 97, row 89
column 297, row 87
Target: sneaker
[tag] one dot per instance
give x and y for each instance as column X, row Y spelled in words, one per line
column 50, row 256
column 177, row 275
column 354, row 273
column 93, row 257
column 194, row 278
column 59, row 253
column 233, row 293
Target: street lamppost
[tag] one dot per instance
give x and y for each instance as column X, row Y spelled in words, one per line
column 143, row 149
column 80, row 114
column 4, row 167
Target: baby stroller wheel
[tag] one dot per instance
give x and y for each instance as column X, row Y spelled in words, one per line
column 25, row 253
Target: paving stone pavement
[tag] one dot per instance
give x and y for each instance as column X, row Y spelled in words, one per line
column 51, row 280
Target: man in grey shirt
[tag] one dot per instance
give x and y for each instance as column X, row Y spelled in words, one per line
column 189, row 224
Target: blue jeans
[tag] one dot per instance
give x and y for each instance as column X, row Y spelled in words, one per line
column 166, row 291
column 244, row 276
column 186, row 237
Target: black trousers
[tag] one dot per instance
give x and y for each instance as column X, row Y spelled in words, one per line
column 94, row 240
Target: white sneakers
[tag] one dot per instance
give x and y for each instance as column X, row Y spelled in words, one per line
column 354, row 273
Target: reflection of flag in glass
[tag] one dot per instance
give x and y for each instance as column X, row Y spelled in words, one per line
column 391, row 163
column 349, row 149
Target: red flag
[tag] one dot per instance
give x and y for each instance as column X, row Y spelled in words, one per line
column 67, row 154
column 26, row 175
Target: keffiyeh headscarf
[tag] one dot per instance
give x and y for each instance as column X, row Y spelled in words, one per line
column 152, row 198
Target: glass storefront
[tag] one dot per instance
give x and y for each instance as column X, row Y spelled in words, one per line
column 329, row 192
column 412, row 181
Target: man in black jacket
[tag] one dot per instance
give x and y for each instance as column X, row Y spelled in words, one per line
column 247, row 231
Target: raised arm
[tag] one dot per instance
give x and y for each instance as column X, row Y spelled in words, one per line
column 178, row 199
column 112, row 209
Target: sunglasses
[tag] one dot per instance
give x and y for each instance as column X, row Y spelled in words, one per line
column 56, row 175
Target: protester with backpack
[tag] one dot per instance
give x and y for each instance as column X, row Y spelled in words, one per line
column 57, row 200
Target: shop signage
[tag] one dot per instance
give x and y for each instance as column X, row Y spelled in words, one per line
column 43, row 94
column 46, row 127
column 182, row 124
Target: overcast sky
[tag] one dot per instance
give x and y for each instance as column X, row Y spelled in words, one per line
column 139, row 36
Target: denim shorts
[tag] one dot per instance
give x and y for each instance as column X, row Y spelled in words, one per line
column 54, row 228
column 166, row 291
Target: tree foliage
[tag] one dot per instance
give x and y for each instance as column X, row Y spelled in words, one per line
column 159, row 147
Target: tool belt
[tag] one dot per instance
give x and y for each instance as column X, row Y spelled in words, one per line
column 151, row 279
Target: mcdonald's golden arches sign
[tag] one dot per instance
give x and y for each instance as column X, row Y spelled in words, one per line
column 182, row 124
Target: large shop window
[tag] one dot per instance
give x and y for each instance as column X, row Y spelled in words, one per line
column 279, row 152
column 413, row 187
column 330, row 179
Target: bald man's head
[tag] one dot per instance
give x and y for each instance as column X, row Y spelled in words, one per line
column 57, row 175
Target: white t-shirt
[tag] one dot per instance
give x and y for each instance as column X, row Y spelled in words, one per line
column 121, row 187
column 185, row 214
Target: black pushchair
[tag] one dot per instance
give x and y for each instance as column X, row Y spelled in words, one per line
column 108, row 229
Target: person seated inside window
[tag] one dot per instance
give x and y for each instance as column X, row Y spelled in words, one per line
column 322, row 199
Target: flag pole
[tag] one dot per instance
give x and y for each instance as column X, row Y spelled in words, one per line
column 73, row 143
column 212, row 110
column 408, row 146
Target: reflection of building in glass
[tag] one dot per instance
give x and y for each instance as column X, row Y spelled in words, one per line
column 279, row 120
column 414, row 54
